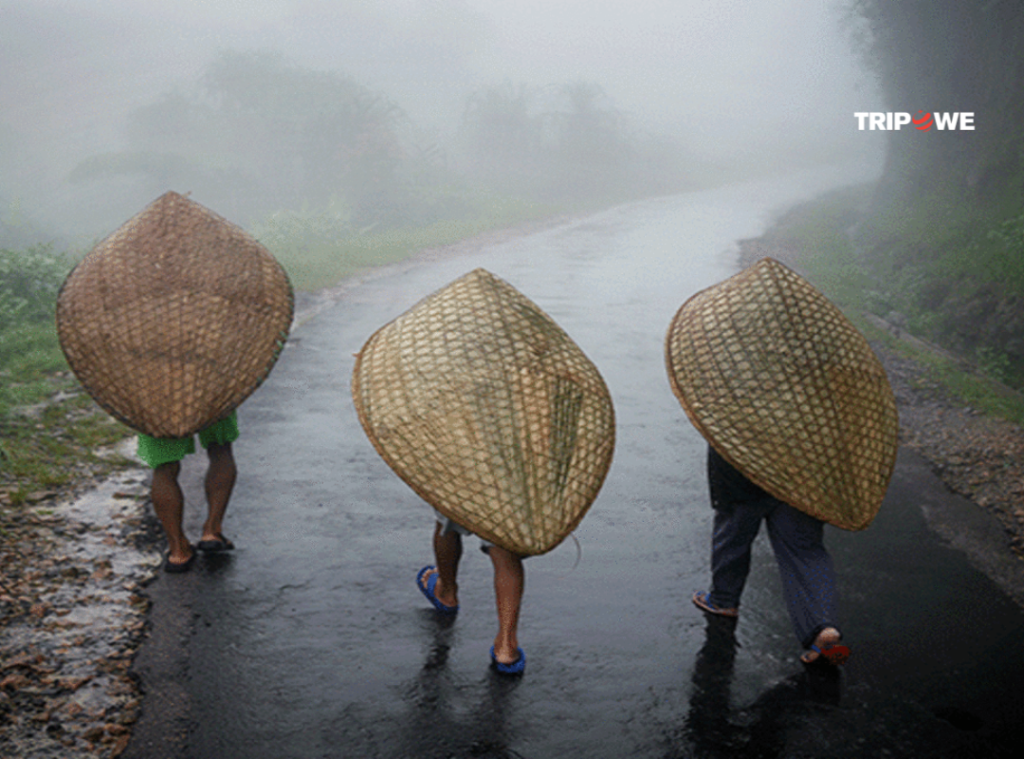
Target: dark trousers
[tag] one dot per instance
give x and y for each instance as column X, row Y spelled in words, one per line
column 808, row 578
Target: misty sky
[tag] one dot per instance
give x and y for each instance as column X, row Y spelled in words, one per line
column 722, row 75
column 671, row 63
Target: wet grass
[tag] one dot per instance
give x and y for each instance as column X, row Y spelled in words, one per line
column 314, row 261
column 52, row 444
column 49, row 428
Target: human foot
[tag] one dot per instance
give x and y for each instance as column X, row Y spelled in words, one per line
column 826, row 648
column 176, row 563
column 509, row 664
column 214, row 543
column 702, row 602
column 427, row 581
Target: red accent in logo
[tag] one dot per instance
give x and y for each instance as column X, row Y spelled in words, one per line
column 924, row 123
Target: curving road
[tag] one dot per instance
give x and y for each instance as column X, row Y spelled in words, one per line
column 310, row 640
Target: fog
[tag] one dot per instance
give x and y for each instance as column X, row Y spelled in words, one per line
column 727, row 84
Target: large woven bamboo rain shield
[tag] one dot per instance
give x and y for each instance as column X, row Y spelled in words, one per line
column 786, row 389
column 174, row 319
column 489, row 411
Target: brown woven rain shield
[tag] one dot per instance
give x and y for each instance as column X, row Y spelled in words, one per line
column 174, row 319
column 787, row 390
column 489, row 411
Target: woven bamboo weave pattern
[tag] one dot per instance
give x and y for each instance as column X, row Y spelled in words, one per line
column 174, row 319
column 489, row 411
column 786, row 389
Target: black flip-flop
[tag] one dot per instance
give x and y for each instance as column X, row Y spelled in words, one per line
column 220, row 543
column 174, row 567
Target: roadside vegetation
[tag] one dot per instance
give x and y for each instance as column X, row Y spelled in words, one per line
column 943, row 231
column 49, row 428
column 52, row 433
column 320, row 248
column 819, row 234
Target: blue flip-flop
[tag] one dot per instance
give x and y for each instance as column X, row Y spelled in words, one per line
column 428, row 591
column 513, row 668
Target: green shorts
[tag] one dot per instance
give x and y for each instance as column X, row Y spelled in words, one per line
column 160, row 450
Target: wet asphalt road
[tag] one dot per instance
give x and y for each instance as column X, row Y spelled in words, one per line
column 310, row 640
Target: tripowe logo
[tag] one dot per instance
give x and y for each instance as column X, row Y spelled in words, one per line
column 924, row 121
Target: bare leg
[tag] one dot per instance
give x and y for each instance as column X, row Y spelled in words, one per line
column 509, row 580
column 447, row 553
column 169, row 505
column 220, row 480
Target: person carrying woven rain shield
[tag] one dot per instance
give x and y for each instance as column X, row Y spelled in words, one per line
column 169, row 324
column 801, row 428
column 507, row 430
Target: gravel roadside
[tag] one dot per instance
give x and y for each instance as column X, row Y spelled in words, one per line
column 73, row 570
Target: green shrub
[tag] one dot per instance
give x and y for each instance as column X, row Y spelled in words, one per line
column 29, row 350
column 29, row 281
column 1006, row 262
column 295, row 233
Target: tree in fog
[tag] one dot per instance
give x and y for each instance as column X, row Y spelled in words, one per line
column 591, row 141
column 502, row 138
column 312, row 134
column 258, row 134
column 565, row 142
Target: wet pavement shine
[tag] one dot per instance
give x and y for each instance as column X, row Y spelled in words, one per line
column 310, row 640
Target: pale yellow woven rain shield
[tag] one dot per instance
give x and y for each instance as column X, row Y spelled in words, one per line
column 489, row 411
column 786, row 389
column 174, row 319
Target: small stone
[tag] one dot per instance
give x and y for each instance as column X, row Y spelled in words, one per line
column 93, row 734
column 101, row 574
column 119, row 746
column 74, row 683
column 39, row 495
column 14, row 682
